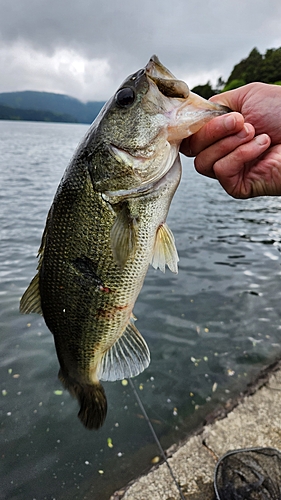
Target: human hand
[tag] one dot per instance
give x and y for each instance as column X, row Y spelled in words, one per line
column 242, row 150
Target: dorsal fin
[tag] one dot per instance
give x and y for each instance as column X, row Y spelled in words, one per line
column 31, row 300
column 128, row 356
column 165, row 251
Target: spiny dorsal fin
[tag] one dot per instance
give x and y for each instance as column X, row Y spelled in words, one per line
column 31, row 300
column 128, row 356
column 43, row 239
column 123, row 236
column 165, row 251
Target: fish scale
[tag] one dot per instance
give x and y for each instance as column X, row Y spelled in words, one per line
column 106, row 225
column 75, row 300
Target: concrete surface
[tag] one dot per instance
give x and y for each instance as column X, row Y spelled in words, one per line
column 254, row 421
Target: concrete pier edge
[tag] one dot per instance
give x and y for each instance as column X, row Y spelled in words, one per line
column 253, row 419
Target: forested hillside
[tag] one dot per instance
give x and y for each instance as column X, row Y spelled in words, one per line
column 47, row 105
column 8, row 113
column 255, row 68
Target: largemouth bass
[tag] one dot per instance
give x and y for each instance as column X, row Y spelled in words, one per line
column 106, row 225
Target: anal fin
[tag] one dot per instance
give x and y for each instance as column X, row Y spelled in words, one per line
column 31, row 300
column 127, row 357
column 165, row 251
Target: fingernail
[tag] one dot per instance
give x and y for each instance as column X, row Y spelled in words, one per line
column 262, row 139
column 229, row 122
column 244, row 132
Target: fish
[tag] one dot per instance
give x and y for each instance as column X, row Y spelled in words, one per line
column 106, row 225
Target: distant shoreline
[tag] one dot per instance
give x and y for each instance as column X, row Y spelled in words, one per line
column 17, row 114
column 47, row 107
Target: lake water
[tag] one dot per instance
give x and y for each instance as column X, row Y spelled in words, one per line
column 210, row 328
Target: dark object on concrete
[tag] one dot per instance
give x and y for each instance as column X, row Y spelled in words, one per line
column 249, row 474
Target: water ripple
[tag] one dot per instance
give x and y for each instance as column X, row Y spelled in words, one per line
column 216, row 322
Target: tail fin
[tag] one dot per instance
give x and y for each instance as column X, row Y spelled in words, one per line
column 92, row 400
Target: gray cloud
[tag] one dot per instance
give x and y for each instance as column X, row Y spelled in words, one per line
column 193, row 39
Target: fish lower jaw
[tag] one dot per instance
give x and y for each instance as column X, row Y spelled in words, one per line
column 186, row 123
column 190, row 116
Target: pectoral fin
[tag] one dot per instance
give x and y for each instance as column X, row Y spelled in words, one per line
column 31, row 300
column 165, row 251
column 128, row 357
column 123, row 236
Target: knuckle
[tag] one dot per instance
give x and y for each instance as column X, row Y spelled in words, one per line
column 200, row 165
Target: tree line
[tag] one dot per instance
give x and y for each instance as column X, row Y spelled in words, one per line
column 8, row 113
column 256, row 67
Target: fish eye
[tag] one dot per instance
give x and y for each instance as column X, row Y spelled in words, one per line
column 125, row 97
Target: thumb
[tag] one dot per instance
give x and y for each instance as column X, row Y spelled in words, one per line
column 231, row 98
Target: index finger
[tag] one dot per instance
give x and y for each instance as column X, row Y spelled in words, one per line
column 213, row 131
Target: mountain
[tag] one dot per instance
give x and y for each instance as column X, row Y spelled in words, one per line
column 8, row 113
column 61, row 106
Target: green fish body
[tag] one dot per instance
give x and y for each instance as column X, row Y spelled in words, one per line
column 106, row 225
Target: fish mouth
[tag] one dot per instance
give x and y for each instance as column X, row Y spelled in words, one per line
column 187, row 111
column 166, row 82
column 155, row 68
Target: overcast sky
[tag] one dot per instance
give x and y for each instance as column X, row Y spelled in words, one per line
column 86, row 48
